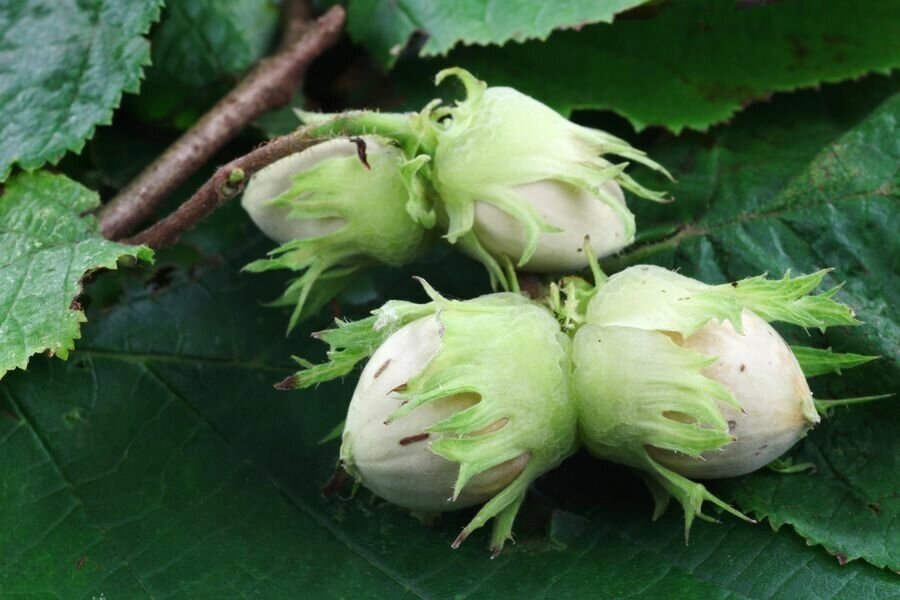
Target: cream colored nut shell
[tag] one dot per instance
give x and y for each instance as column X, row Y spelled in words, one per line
column 275, row 179
column 410, row 474
column 571, row 209
column 765, row 377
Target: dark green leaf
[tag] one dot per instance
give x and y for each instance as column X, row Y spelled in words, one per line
column 65, row 66
column 200, row 48
column 46, row 247
column 386, row 27
column 694, row 64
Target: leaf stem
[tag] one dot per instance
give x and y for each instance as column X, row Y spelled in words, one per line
column 268, row 86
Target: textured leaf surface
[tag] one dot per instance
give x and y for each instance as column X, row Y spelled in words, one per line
column 693, row 64
column 159, row 462
column 199, row 49
column 65, row 66
column 46, row 247
column 386, row 27
column 806, row 183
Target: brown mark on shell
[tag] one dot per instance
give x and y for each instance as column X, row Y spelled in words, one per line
column 381, row 369
column 419, row 437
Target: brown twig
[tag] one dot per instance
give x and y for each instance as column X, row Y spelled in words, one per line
column 227, row 182
column 268, row 86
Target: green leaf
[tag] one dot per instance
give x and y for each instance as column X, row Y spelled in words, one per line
column 66, row 66
column 46, row 247
column 159, row 462
column 808, row 182
column 692, row 65
column 200, row 49
column 387, row 27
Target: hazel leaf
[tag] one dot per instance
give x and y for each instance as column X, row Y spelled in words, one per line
column 67, row 65
column 386, row 28
column 46, row 247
